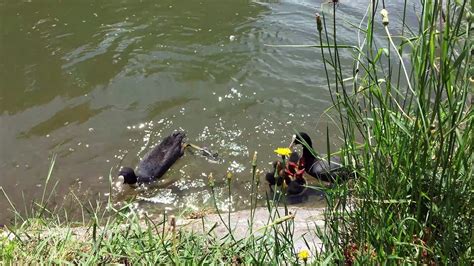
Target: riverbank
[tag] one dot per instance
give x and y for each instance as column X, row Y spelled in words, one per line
column 252, row 236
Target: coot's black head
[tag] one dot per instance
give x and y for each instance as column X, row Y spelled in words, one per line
column 294, row 157
column 178, row 136
column 129, row 176
column 301, row 138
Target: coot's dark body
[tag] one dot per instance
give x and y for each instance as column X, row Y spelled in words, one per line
column 156, row 162
column 325, row 171
column 319, row 168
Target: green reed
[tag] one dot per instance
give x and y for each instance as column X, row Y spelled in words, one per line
column 407, row 129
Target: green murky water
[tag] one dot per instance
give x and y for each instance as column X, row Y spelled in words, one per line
column 99, row 82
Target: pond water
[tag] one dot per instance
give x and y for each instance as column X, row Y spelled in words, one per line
column 100, row 82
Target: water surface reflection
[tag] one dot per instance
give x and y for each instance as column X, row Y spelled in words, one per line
column 99, row 83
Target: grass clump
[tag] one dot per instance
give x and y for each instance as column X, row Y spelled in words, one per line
column 406, row 117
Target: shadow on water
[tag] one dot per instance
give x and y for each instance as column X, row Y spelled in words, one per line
column 76, row 114
column 162, row 106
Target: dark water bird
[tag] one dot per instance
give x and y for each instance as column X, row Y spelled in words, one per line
column 316, row 167
column 291, row 174
column 277, row 167
column 157, row 161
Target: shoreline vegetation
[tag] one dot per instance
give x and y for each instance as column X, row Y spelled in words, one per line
column 404, row 109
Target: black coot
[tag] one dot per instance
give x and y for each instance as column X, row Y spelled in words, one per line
column 270, row 176
column 316, row 167
column 294, row 180
column 156, row 162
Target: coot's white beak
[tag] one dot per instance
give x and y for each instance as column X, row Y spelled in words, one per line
column 292, row 144
column 119, row 183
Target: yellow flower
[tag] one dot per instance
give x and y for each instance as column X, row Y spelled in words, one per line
column 303, row 254
column 283, row 152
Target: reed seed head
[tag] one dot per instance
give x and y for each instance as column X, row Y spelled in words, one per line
column 384, row 14
column 319, row 24
column 210, row 178
column 172, row 221
column 254, row 159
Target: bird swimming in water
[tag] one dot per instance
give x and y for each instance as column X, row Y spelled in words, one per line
column 292, row 172
column 316, row 167
column 157, row 161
